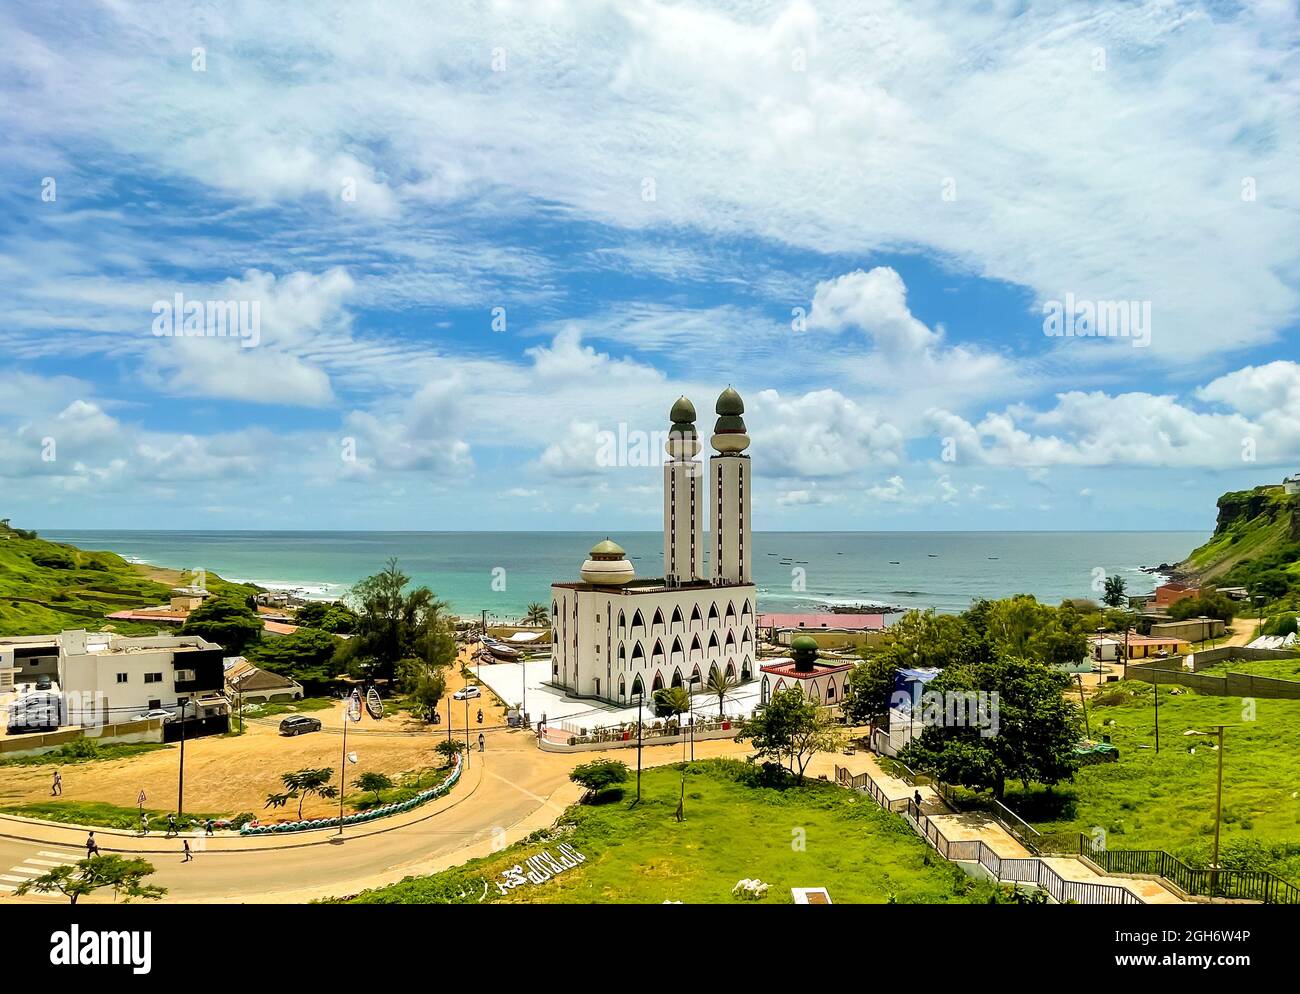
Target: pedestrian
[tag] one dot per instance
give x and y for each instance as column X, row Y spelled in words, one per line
column 916, row 798
column 144, row 823
column 481, row 741
column 480, row 716
column 171, row 825
column 92, row 847
column 208, row 825
column 185, row 847
column 57, row 787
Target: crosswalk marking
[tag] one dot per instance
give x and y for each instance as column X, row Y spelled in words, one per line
column 43, row 862
column 30, row 871
column 65, row 856
column 9, row 887
column 10, row 876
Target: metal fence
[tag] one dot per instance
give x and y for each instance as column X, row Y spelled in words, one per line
column 1243, row 885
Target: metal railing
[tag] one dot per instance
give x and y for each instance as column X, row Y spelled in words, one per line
column 1242, row 885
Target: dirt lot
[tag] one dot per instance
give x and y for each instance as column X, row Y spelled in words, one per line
column 230, row 774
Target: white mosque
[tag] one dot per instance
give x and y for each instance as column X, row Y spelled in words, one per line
column 617, row 636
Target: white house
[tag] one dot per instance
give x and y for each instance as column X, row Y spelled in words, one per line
column 1291, row 484
column 615, row 636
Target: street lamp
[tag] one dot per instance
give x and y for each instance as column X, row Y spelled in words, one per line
column 690, row 697
column 180, row 787
column 1218, row 811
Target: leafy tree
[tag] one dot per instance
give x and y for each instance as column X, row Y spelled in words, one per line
column 124, row 876
column 1269, row 584
column 1209, row 603
column 867, row 688
column 791, row 729
column 1113, row 595
column 720, row 684
column 1035, row 734
column 328, row 616
column 307, row 655
column 374, row 782
column 427, row 692
column 394, row 624
column 449, row 749
column 671, row 701
column 599, row 775
column 922, row 639
column 537, row 615
column 227, row 620
column 302, row 785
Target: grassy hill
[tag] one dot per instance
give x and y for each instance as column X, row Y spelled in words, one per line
column 1256, row 529
column 46, row 587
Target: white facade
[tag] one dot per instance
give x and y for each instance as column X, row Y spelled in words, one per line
column 614, row 635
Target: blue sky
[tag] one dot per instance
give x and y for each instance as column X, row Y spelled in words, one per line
column 857, row 214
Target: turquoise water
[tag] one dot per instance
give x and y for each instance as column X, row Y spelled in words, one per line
column 943, row 570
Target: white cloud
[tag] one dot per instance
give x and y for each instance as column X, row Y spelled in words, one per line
column 819, row 434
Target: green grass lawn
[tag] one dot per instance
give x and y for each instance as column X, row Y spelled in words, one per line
column 1166, row 801
column 101, row 814
column 84, row 751
column 640, row 853
column 1278, row 669
column 300, row 706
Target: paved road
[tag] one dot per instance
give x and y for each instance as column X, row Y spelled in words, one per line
column 505, row 796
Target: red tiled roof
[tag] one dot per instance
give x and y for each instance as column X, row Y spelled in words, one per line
column 869, row 622
column 786, row 668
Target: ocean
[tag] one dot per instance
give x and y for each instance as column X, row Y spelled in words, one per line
column 501, row 572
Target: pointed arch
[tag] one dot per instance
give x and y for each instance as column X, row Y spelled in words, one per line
column 622, row 687
column 659, row 682
column 638, row 654
column 746, row 673
column 830, row 690
column 713, row 642
column 731, row 641
column 678, row 656
column 731, row 669
column 622, row 654
column 696, row 617
column 746, row 612
column 745, row 638
column 676, row 620
column 713, row 613
column 730, row 616
column 657, row 622
column 713, row 670
column 780, row 685
column 696, row 648
column 814, row 692
column 637, row 622
column 765, row 691
column 657, row 654
column 695, row 676
column 677, row 678
column 638, row 688
column 622, row 624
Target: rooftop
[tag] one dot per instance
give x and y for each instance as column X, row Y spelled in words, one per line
column 863, row 622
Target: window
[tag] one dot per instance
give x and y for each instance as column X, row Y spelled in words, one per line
column 183, row 676
column 121, row 678
column 153, row 678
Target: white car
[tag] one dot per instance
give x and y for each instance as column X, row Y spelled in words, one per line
column 467, row 693
column 156, row 713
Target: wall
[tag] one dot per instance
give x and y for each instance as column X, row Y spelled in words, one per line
column 121, row 732
column 1227, row 685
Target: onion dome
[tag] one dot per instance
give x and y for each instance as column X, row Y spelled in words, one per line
column 804, row 649
column 607, row 564
column 729, row 435
column 682, row 442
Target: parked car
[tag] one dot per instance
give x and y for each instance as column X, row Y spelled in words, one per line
column 467, row 693
column 43, row 682
column 37, row 711
column 162, row 713
column 297, row 724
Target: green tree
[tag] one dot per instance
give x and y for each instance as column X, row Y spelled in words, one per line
column 448, row 749
column 1113, row 596
column 791, row 729
column 599, row 775
column 720, row 684
column 537, row 615
column 329, row 616
column 308, row 655
column 1033, row 737
column 226, row 619
column 301, row 785
column 123, row 876
column 867, row 688
column 394, row 624
column 671, row 701
column 1209, row 603
column 374, row 782
column 427, row 693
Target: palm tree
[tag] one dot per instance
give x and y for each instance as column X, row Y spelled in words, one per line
column 302, row 785
column 672, row 701
column 721, row 683
column 537, row 615
column 1114, row 591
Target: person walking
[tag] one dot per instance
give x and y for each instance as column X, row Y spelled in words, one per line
column 481, row 741
column 185, row 848
column 92, row 847
column 480, row 716
column 144, row 823
column 916, row 799
column 171, row 825
column 208, row 826
column 56, row 789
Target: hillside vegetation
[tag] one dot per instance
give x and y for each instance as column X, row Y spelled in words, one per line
column 1256, row 544
column 47, row 587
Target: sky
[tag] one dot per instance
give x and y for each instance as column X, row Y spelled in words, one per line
column 444, row 266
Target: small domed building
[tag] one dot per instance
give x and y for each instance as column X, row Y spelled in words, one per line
column 615, row 635
column 820, row 680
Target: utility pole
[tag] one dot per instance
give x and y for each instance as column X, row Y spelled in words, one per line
column 343, row 762
column 1218, row 811
column 180, row 787
column 1083, row 702
column 640, row 695
column 1155, row 690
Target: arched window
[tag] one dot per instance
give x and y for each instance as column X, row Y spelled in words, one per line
column 622, row 625
column 765, row 691
column 657, row 654
column 713, row 672
column 731, row 669
column 622, row 688
column 657, row 622
column 696, row 619
column 713, row 613
column 731, row 641
column 622, row 655
column 744, row 637
column 695, row 676
column 659, row 682
column 555, row 611
column 745, row 612
column 830, row 690
column 638, row 654
column 677, row 620
column 638, row 622
column 677, row 678
column 638, row 688
column 814, row 692
column 731, row 612
column 713, row 642
column 678, row 654
column 696, row 649
column 746, row 673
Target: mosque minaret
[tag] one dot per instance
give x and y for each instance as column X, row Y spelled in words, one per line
column 615, row 635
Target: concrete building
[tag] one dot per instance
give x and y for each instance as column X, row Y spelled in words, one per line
column 251, row 685
column 1192, row 629
column 616, row 635
column 829, row 631
column 25, row 658
column 1291, row 484
column 821, row 680
column 1174, row 591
